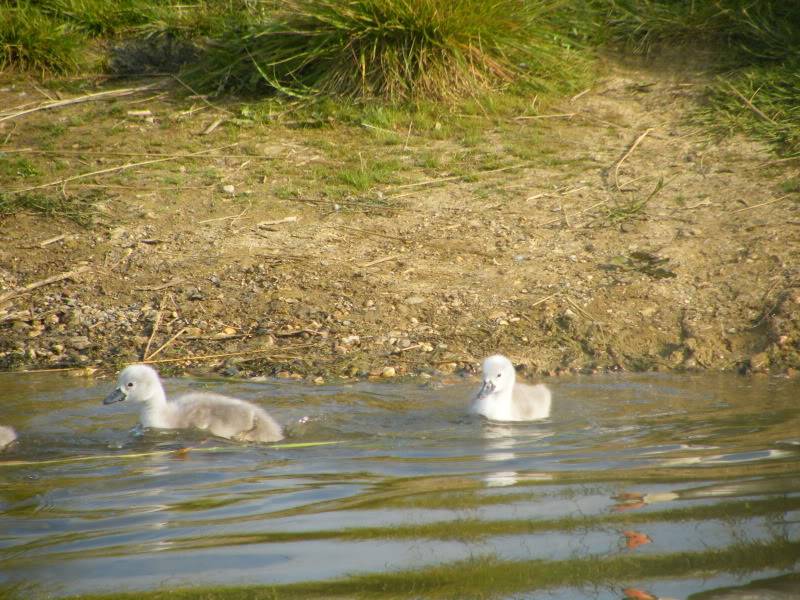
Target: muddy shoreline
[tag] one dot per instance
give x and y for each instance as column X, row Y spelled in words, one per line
column 622, row 238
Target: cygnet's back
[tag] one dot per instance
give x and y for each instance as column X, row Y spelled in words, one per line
column 531, row 401
column 224, row 416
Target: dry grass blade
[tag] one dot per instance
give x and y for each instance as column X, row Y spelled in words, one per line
column 66, row 180
column 86, row 98
column 627, row 154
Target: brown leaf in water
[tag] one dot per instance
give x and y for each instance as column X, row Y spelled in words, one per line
column 634, row 539
column 637, row 594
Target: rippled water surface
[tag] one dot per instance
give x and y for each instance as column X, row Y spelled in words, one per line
column 671, row 485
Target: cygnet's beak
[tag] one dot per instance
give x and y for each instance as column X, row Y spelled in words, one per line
column 487, row 387
column 116, row 396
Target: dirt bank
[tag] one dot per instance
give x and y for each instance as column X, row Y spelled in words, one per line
column 607, row 233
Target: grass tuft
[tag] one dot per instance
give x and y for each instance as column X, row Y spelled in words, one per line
column 398, row 50
column 31, row 40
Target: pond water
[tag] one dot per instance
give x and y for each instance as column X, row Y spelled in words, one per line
column 673, row 485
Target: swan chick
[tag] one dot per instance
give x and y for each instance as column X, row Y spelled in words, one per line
column 500, row 398
column 7, row 436
column 221, row 415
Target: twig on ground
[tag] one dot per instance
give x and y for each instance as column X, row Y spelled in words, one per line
column 291, row 219
column 587, row 209
column 167, row 343
column 380, row 260
column 554, row 116
column 157, row 288
column 223, row 218
column 773, row 201
column 455, row 177
column 212, row 127
column 156, row 323
column 86, row 98
column 580, row 94
column 52, row 240
column 37, row 284
column 200, row 96
column 627, row 154
column 749, row 104
column 222, row 355
column 115, row 169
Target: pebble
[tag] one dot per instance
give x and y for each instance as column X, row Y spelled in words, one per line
column 388, row 372
column 229, row 189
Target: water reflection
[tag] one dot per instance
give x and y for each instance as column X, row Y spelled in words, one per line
column 625, row 466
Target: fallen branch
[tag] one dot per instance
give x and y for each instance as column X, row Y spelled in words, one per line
column 118, row 168
column 627, row 154
column 37, row 284
column 554, row 116
column 87, row 98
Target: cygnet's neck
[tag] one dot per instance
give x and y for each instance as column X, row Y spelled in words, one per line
column 497, row 405
column 156, row 411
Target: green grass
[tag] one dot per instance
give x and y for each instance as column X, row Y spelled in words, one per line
column 396, row 50
column 78, row 209
column 31, row 40
column 757, row 44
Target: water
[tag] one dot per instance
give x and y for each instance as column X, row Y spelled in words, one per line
column 705, row 470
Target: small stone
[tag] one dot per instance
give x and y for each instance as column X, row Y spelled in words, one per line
column 229, row 331
column 411, row 300
column 388, row 372
column 193, row 332
column 350, row 340
column 319, row 380
column 230, row 371
column 79, row 342
column 229, row 189
column 194, row 294
column 20, row 326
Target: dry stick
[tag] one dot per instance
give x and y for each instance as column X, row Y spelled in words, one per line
column 580, row 94
column 87, row 98
column 211, row 356
column 291, row 219
column 52, row 240
column 157, row 288
column 749, row 104
column 110, row 153
column 200, row 96
column 223, row 218
column 545, row 299
column 555, row 116
column 558, row 220
column 37, row 284
column 380, row 260
column 627, row 154
column 155, row 326
column 367, row 231
column 118, row 168
column 212, row 127
column 443, row 179
column 167, row 343
column 762, row 204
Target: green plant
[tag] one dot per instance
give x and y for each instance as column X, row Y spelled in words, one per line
column 398, row 50
column 31, row 40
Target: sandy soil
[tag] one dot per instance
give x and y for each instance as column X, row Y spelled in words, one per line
column 558, row 248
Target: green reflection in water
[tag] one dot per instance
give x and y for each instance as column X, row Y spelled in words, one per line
column 488, row 577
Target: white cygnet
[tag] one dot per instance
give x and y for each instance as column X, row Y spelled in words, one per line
column 221, row 415
column 7, row 436
column 501, row 399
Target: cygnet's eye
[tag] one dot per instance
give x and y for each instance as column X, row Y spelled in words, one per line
column 130, row 384
column 498, row 375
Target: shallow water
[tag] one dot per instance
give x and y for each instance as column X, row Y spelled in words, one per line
column 704, row 469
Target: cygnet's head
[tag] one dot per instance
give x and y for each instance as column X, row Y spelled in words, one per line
column 138, row 383
column 498, row 376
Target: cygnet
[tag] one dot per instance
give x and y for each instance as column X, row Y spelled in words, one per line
column 502, row 399
column 7, row 436
column 221, row 415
